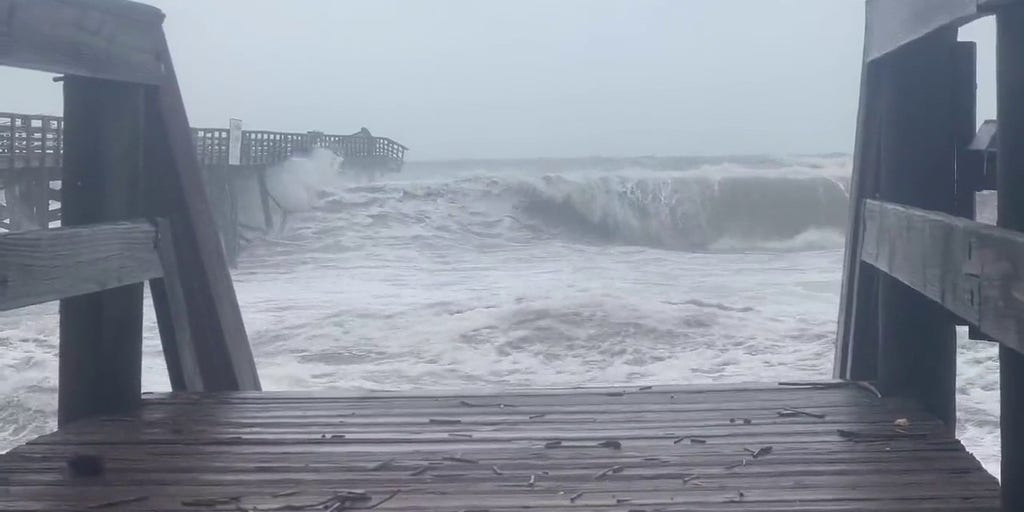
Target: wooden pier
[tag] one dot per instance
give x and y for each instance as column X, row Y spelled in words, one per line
column 31, row 156
column 879, row 437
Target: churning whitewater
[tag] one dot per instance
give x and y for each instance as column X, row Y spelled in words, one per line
column 529, row 273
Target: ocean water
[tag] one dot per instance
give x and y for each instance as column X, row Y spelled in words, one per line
column 530, row 273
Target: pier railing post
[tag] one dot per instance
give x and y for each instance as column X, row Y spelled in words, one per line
column 1010, row 182
column 101, row 333
column 917, row 337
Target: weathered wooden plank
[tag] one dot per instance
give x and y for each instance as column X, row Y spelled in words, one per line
column 102, row 39
column 1010, row 184
column 45, row 265
column 101, row 332
column 981, row 265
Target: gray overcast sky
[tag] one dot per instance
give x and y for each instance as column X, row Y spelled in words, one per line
column 521, row 78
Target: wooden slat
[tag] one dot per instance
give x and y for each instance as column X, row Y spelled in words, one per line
column 285, row 449
column 50, row 264
column 102, row 39
column 972, row 269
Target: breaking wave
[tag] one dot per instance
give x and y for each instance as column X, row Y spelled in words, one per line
column 716, row 206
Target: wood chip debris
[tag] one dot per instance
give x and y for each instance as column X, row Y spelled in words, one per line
column 789, row 412
column 496, row 471
column 533, row 480
column 611, row 443
column 902, row 422
column 609, row 471
column 574, row 497
column 381, row 465
column 210, row 502
column 552, row 444
column 645, row 388
column 536, row 416
column 282, row 494
column 466, row 403
column 619, row 501
column 114, row 503
column 697, row 440
column 878, row 436
column 760, row 452
column 444, row 421
column 456, row 434
column 86, row 465
column 460, row 459
column 689, row 478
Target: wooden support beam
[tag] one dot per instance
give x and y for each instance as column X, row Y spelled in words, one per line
column 175, row 190
column 101, row 333
column 50, row 264
column 916, row 337
column 94, row 38
column 1010, row 180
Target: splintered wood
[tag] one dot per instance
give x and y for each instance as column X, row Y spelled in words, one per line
column 659, row 449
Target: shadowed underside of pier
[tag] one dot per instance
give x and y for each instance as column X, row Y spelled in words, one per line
column 665, row 448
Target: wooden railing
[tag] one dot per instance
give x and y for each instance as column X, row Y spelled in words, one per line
column 36, row 141
column 124, row 151
column 30, row 141
column 973, row 270
column 917, row 263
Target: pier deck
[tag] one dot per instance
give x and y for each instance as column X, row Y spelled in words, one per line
column 665, row 448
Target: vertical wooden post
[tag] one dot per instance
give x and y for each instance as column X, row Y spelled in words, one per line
column 917, row 338
column 41, row 198
column 268, row 216
column 101, row 333
column 968, row 163
column 1010, row 181
column 14, row 194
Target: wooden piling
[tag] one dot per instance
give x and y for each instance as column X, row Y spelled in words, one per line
column 917, row 337
column 1010, row 180
column 268, row 216
column 101, row 333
